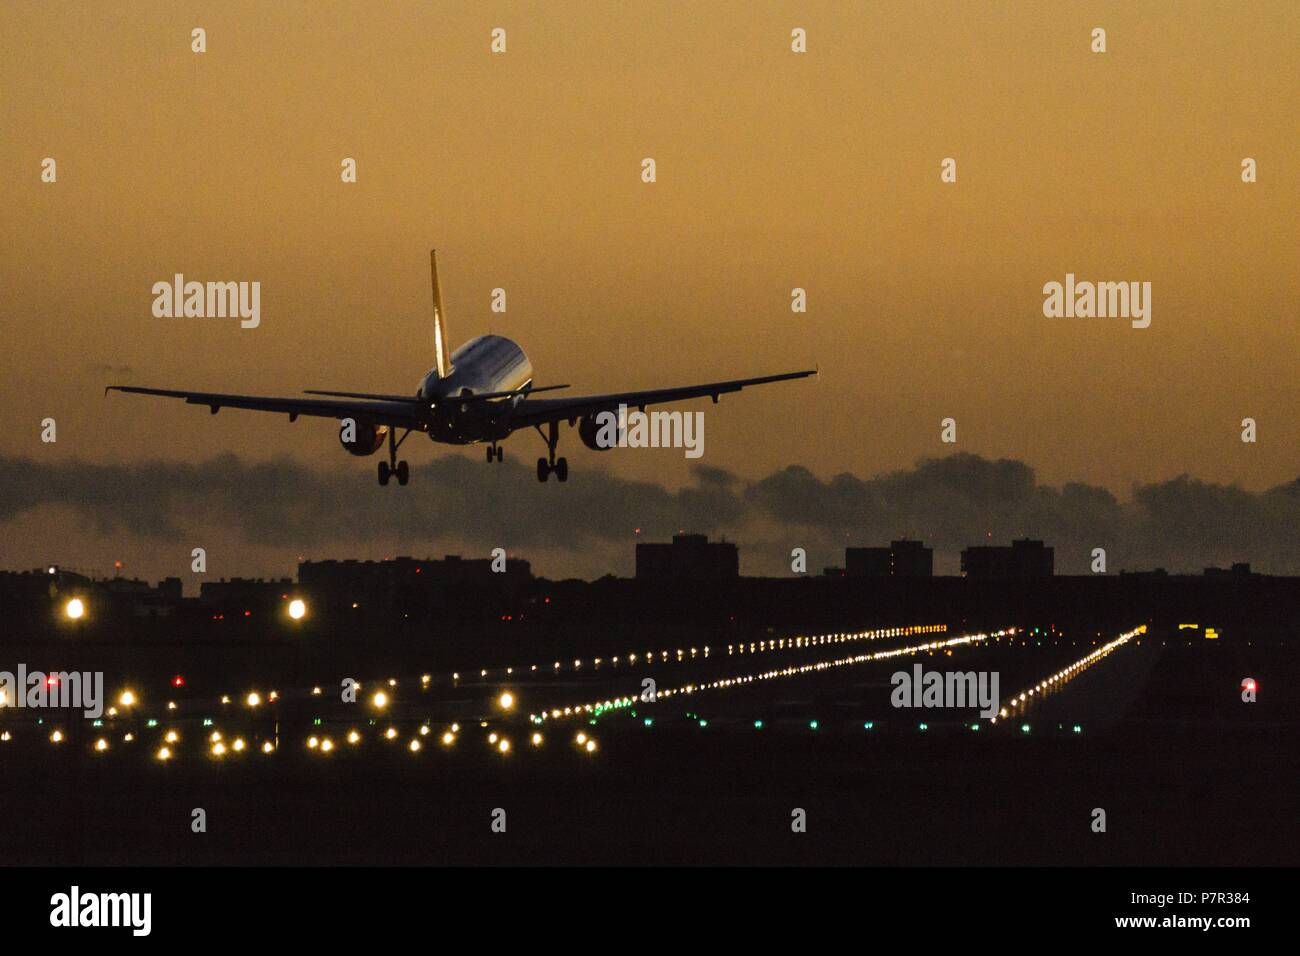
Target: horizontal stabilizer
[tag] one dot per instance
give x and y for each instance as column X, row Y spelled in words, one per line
column 483, row 396
column 380, row 398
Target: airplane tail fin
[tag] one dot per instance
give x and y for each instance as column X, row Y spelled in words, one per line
column 441, row 354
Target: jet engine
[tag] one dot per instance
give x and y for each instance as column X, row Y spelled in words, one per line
column 366, row 438
column 589, row 427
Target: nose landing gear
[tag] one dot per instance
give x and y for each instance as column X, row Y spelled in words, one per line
column 495, row 453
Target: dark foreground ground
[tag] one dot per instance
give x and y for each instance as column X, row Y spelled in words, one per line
column 1186, row 773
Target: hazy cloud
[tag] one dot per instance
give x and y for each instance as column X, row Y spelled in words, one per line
column 587, row 524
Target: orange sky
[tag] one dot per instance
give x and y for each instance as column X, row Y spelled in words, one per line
column 775, row 170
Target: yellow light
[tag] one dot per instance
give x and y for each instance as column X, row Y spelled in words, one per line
column 297, row 609
column 492, row 737
column 353, row 737
column 424, row 730
column 172, row 737
column 164, row 753
column 591, row 746
column 390, row 733
column 253, row 700
column 75, row 609
column 504, row 746
column 56, row 737
column 506, row 700
column 101, row 744
column 537, row 740
column 218, row 749
column 313, row 743
column 268, row 747
column 581, row 739
column 127, row 698
column 238, row 744
column 380, row 699
column 448, row 738
column 215, row 736
column 326, row 745
column 415, row 745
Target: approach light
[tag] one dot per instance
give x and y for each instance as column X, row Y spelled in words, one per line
column 297, row 609
column 506, row 700
column 75, row 609
column 127, row 698
column 253, row 699
column 380, row 700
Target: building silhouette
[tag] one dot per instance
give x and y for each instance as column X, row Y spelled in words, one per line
column 902, row 559
column 1024, row 559
column 690, row 556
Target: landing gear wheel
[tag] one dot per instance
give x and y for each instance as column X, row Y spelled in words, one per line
column 384, row 472
column 562, row 469
column 543, row 469
column 491, row 454
column 403, row 473
column 501, row 454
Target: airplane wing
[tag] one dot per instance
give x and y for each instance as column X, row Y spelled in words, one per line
column 538, row 411
column 400, row 414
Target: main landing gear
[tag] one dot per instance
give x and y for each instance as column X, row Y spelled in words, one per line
column 393, row 467
column 495, row 453
column 550, row 463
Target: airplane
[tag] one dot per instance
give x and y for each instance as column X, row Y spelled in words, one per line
column 481, row 393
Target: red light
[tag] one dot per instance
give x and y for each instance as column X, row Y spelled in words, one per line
column 248, row 614
column 178, row 681
column 51, row 681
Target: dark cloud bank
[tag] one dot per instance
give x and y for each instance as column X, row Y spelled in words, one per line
column 1182, row 525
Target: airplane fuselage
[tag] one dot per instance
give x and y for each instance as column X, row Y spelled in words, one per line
column 487, row 363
